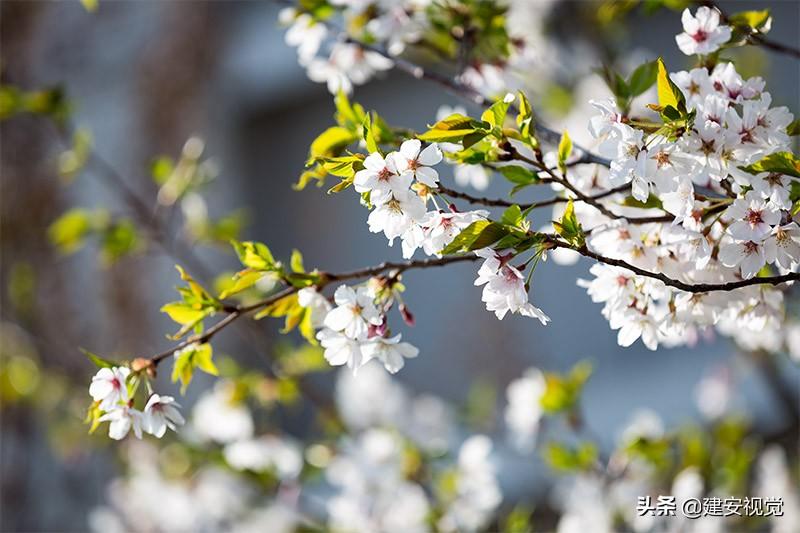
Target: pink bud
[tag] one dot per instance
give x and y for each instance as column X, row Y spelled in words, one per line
column 408, row 318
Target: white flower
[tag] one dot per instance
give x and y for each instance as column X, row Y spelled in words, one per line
column 354, row 313
column 348, row 64
column 633, row 324
column 753, row 218
column 217, row 416
column 782, row 246
column 396, row 213
column 702, row 33
column 380, row 174
column 524, row 411
column 340, row 349
column 411, row 159
column 307, row 35
column 695, row 85
column 160, row 413
column 630, row 162
column 607, row 122
column 264, row 454
column 318, row 305
column 504, row 289
column 109, row 388
column 747, row 255
column 122, row 419
column 389, row 351
column 442, row 228
column 713, row 394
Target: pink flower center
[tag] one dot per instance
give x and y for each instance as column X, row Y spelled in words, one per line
column 753, row 217
column 750, row 248
column 700, row 36
column 384, row 174
column 115, row 383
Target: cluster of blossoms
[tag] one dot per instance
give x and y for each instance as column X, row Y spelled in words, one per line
column 730, row 221
column 399, row 187
column 394, row 25
column 355, row 332
column 405, row 463
column 112, row 396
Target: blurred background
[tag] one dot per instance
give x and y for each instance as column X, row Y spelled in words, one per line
column 143, row 77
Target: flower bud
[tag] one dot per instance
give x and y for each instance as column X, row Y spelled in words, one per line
column 408, row 318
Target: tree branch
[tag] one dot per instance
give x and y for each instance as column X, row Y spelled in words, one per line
column 455, row 87
column 235, row 312
column 756, row 38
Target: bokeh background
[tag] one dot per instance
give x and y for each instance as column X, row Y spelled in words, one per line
column 143, row 77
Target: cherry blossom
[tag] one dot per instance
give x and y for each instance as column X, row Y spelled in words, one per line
column 160, row 413
column 122, row 419
column 702, row 33
column 354, row 313
column 389, row 351
column 414, row 160
column 109, row 387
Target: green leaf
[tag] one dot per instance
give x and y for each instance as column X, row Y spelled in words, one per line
column 98, row 361
column 563, row 458
column 118, row 240
column 668, row 94
column 781, row 162
column 564, row 151
column 93, row 415
column 70, row 230
column 757, row 20
column 479, row 234
column 518, row 174
column 280, row 308
column 369, row 136
column 512, row 216
column 242, row 280
column 562, row 392
column 348, row 115
column 525, row 121
column 183, row 313
column 90, row 5
column 331, row 142
column 793, row 128
column 642, row 78
column 296, row 262
column 454, row 128
column 653, row 202
column 495, row 115
column 255, row 255
column 189, row 358
column 569, row 227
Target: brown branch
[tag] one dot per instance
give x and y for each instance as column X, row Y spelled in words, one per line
column 498, row 202
column 235, row 312
column 459, row 89
column 756, row 38
column 687, row 287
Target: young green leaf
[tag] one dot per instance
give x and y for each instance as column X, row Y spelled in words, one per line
column 666, row 92
column 642, row 78
column 564, row 151
column 781, row 162
column 519, row 175
column 479, row 234
column 189, row 358
column 569, row 227
column 98, row 361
